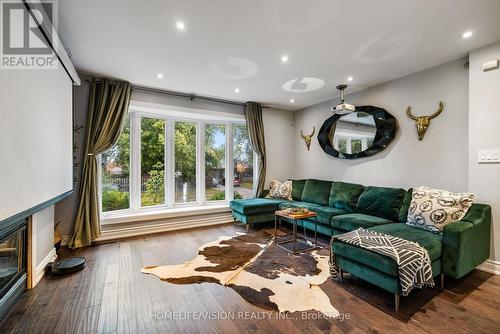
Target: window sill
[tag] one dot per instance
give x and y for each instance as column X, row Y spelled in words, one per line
column 127, row 217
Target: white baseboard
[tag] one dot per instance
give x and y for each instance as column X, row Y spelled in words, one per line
column 490, row 266
column 118, row 231
column 40, row 269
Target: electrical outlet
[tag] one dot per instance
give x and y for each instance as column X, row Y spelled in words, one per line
column 488, row 156
column 490, row 65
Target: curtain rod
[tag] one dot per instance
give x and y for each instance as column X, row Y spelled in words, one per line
column 182, row 94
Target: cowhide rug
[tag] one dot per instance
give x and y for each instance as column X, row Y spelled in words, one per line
column 259, row 271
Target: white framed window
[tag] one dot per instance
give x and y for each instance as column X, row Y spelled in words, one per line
column 169, row 158
column 352, row 144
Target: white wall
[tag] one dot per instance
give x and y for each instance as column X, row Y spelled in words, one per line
column 65, row 210
column 484, row 133
column 439, row 160
column 42, row 242
column 278, row 131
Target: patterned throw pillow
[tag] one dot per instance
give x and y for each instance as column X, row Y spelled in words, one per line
column 280, row 190
column 431, row 209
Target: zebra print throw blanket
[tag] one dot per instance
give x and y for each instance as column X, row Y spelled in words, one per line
column 413, row 261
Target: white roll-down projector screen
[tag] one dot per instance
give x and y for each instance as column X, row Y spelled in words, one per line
column 35, row 138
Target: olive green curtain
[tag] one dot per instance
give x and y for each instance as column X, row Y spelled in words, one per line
column 107, row 109
column 255, row 126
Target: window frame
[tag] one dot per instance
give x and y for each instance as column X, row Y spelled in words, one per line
column 171, row 115
column 137, row 181
column 349, row 139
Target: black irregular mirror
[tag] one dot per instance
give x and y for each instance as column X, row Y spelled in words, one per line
column 357, row 134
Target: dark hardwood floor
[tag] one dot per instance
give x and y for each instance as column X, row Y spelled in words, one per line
column 112, row 296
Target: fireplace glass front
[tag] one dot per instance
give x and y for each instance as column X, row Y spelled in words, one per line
column 13, row 250
column 12, row 259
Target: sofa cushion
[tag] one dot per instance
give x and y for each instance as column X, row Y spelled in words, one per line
column 403, row 212
column 253, row 219
column 294, row 204
column 297, row 189
column 320, row 228
column 386, row 281
column 430, row 241
column 354, row 221
column 324, row 213
column 256, row 205
column 364, row 256
column 316, row 191
column 381, row 202
column 345, row 195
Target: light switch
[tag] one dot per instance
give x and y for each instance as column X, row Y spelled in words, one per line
column 488, row 156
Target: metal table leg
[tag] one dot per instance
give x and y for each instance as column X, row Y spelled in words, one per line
column 315, row 231
column 294, row 236
column 275, row 229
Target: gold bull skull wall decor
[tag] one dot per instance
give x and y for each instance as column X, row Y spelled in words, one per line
column 422, row 122
column 307, row 138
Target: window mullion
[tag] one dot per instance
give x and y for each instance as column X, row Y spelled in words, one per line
column 169, row 163
column 200, row 162
column 135, row 161
column 165, row 162
column 255, row 176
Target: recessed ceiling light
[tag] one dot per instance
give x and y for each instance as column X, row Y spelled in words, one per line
column 180, row 25
column 236, row 90
column 349, row 79
column 292, row 101
column 284, row 59
column 159, row 75
column 467, row 34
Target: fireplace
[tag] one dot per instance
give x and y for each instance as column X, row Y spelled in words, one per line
column 13, row 263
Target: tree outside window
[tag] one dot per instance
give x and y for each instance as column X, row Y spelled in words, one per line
column 243, row 162
column 215, row 162
column 185, row 162
column 152, row 161
column 115, row 171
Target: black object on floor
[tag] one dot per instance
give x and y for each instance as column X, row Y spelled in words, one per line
column 66, row 266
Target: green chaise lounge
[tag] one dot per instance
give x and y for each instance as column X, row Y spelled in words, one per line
column 343, row 207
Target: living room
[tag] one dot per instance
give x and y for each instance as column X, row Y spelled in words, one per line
column 273, row 166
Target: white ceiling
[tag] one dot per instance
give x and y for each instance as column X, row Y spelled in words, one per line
column 232, row 44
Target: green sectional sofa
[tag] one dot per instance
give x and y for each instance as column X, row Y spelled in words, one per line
column 343, row 207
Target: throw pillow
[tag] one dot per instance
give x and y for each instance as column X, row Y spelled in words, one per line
column 280, row 190
column 431, row 209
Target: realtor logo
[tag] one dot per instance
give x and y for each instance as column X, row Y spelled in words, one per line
column 24, row 44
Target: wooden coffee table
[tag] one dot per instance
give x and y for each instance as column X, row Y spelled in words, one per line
column 297, row 242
